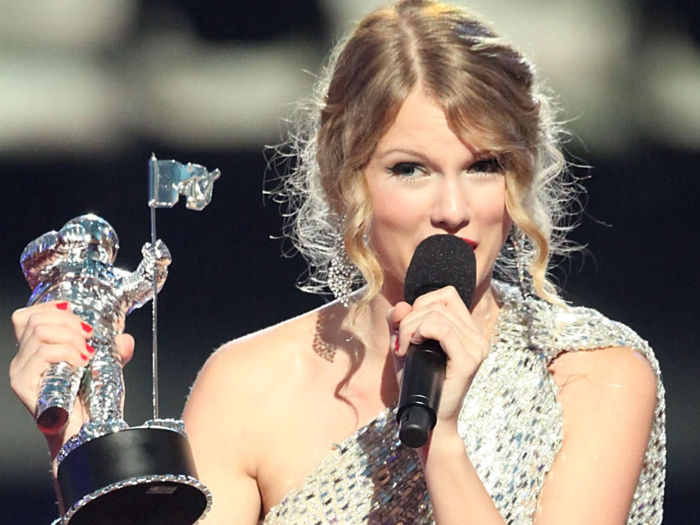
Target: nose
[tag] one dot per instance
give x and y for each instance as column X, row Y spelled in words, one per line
column 450, row 209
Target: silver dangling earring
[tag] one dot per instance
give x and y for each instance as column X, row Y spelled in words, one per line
column 518, row 241
column 341, row 270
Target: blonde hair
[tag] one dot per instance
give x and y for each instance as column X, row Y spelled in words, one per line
column 490, row 96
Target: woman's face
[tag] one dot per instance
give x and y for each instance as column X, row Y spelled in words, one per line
column 424, row 180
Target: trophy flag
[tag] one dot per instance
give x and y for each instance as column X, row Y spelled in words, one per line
column 168, row 179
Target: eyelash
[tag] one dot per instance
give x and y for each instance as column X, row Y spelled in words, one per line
column 400, row 169
column 484, row 168
column 491, row 165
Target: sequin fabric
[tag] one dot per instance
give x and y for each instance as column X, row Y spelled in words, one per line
column 511, row 424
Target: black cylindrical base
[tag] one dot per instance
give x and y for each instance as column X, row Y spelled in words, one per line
column 421, row 389
column 131, row 475
column 415, row 425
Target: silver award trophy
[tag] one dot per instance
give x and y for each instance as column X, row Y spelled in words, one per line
column 109, row 473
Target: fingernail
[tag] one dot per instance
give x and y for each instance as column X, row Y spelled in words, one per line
column 396, row 347
column 89, row 348
column 62, row 306
column 85, row 358
column 86, row 327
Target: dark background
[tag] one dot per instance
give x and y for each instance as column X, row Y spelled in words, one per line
column 229, row 277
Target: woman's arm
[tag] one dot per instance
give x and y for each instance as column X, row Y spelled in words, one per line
column 608, row 398
column 221, row 431
column 457, row 494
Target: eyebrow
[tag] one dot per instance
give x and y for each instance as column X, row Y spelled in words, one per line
column 406, row 151
column 478, row 155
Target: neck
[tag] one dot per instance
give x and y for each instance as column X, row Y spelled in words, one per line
column 485, row 307
column 372, row 321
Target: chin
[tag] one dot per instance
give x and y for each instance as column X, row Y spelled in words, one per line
column 483, row 281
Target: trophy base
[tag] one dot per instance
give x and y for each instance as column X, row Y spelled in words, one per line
column 140, row 475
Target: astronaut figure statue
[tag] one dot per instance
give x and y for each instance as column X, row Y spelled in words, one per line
column 75, row 264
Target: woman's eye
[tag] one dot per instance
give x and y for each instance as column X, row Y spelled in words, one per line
column 486, row 166
column 407, row 169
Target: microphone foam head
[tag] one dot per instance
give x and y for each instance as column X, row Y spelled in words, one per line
column 439, row 261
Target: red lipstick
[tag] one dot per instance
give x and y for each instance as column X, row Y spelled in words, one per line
column 471, row 243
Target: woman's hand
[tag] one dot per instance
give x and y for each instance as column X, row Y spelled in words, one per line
column 442, row 316
column 456, row 491
column 49, row 333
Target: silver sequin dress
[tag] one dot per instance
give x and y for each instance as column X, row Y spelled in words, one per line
column 511, row 424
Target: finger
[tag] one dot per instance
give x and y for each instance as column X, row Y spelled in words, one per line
column 47, row 334
column 449, row 297
column 125, row 347
column 460, row 351
column 396, row 314
column 442, row 310
column 55, row 312
column 399, row 363
column 438, row 323
column 47, row 306
column 447, row 302
column 435, row 312
column 50, row 354
column 51, row 325
column 25, row 377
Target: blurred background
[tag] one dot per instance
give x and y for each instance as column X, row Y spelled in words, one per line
column 89, row 88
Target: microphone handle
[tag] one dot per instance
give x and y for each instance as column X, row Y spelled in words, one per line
column 421, row 388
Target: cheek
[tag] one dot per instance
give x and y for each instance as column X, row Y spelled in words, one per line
column 502, row 217
column 389, row 224
column 495, row 212
column 495, row 223
column 387, row 213
column 393, row 210
column 491, row 208
column 393, row 232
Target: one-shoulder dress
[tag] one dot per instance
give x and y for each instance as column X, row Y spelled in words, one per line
column 510, row 422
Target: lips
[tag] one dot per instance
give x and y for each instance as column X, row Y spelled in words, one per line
column 471, row 243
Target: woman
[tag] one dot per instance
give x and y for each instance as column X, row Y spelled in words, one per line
column 428, row 123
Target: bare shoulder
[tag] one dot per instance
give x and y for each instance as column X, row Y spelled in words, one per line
column 241, row 392
column 607, row 396
column 618, row 371
column 239, row 388
column 271, row 347
column 252, row 365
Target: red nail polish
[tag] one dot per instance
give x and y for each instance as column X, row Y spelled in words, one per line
column 62, row 306
column 396, row 348
column 85, row 358
column 86, row 327
column 89, row 348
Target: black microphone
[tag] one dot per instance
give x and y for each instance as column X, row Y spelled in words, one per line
column 439, row 261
